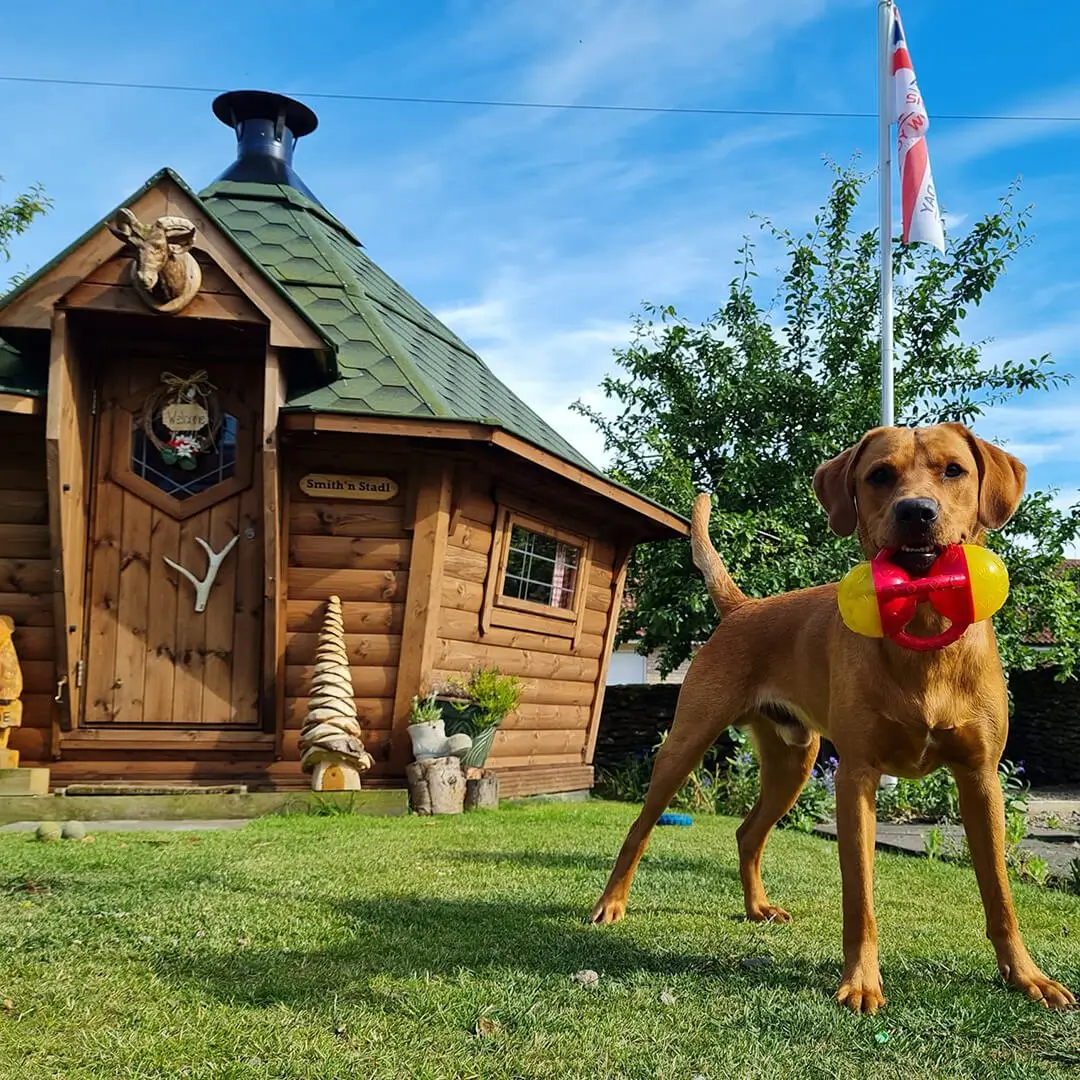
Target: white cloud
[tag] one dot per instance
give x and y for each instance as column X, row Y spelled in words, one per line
column 979, row 138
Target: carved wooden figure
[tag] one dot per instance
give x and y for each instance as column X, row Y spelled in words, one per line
column 164, row 273
column 331, row 743
column 11, row 686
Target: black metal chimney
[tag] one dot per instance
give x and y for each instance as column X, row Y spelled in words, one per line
column 267, row 127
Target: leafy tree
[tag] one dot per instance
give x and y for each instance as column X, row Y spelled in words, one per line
column 748, row 403
column 17, row 217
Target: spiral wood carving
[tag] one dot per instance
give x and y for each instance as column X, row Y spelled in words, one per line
column 331, row 730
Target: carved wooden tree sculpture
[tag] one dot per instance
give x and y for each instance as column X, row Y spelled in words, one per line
column 331, row 744
column 11, row 687
column 164, row 273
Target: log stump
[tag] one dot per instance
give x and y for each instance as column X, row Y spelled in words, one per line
column 436, row 786
column 482, row 793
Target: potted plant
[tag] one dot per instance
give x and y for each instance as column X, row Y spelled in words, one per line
column 427, row 730
column 477, row 707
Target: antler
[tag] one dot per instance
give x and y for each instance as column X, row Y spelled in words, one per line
column 215, row 559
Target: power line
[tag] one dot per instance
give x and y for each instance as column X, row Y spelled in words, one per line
column 552, row 105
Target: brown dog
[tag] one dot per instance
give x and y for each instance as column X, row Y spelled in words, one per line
column 788, row 668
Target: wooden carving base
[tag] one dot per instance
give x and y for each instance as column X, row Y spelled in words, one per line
column 334, row 776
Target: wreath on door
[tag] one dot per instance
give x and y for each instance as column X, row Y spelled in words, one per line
column 181, row 419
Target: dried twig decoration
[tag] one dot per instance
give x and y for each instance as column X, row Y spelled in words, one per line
column 331, row 743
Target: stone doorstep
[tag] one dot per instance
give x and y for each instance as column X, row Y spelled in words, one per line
column 379, row 802
column 135, row 825
column 1056, row 847
column 152, row 789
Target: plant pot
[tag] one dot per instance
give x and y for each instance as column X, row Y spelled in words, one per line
column 428, row 739
column 477, row 754
column 459, row 716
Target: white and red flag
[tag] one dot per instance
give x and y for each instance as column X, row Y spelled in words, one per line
column 922, row 217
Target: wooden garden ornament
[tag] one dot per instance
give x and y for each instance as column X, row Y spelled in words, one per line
column 164, row 273
column 331, row 742
column 11, row 687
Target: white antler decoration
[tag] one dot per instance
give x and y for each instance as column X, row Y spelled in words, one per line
column 202, row 588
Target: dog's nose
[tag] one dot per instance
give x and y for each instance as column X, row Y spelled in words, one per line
column 917, row 513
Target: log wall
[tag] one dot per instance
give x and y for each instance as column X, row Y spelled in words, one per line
column 359, row 551
column 543, row 746
column 26, row 592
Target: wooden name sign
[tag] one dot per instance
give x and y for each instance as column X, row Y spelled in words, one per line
column 332, row 486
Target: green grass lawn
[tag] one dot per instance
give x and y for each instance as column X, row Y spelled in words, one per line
column 350, row 947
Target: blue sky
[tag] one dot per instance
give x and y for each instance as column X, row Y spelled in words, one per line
column 536, row 234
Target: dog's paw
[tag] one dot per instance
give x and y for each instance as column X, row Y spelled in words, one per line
column 767, row 913
column 861, row 993
column 607, row 911
column 1045, row 991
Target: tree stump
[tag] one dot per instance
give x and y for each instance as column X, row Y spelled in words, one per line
column 482, row 793
column 436, row 786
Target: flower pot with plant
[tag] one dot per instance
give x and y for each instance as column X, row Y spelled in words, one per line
column 483, row 701
column 427, row 731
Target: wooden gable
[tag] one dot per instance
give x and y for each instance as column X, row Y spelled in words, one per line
column 90, row 276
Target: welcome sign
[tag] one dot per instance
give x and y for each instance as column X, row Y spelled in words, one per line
column 334, row 486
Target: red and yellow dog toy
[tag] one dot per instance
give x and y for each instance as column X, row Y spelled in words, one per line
column 966, row 584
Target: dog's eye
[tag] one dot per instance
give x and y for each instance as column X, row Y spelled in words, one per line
column 952, row 470
column 880, row 476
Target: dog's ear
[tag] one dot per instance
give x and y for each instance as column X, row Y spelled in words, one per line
column 834, row 485
column 1001, row 480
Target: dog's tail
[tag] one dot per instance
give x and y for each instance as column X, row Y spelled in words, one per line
column 726, row 595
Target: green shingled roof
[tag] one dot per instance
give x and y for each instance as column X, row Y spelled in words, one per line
column 386, row 354
column 394, row 357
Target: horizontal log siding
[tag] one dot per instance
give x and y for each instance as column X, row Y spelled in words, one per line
column 359, row 551
column 540, row 747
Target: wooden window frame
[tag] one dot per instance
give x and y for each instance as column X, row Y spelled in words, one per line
column 121, row 472
column 516, row 614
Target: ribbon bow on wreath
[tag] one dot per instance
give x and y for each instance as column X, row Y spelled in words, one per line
column 186, row 409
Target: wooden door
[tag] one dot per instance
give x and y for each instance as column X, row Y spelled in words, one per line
column 150, row 658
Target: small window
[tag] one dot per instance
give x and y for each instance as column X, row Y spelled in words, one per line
column 538, row 579
column 541, row 569
column 180, row 465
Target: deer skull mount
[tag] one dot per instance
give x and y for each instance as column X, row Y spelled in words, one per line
column 163, row 271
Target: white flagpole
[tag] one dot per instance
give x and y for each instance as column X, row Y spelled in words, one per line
column 885, row 118
column 885, row 109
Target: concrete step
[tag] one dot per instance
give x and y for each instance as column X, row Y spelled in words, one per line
column 184, row 806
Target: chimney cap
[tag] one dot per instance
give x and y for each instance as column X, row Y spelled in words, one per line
column 236, row 106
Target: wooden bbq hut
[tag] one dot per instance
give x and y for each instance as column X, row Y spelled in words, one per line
column 217, row 412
